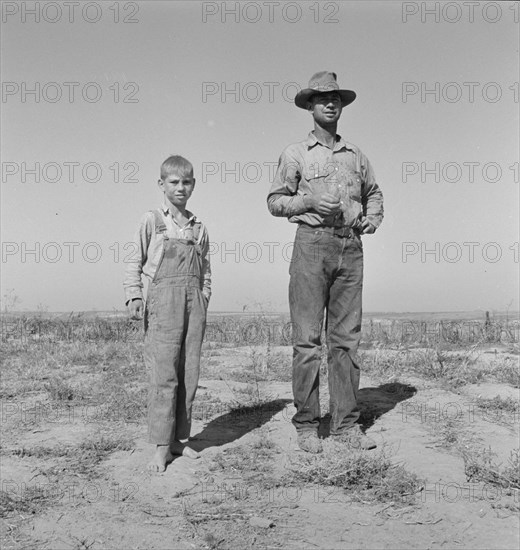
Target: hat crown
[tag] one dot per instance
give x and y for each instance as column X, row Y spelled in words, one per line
column 323, row 81
column 320, row 83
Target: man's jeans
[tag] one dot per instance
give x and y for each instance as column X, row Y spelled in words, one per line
column 326, row 273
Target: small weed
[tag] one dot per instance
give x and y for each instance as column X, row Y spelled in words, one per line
column 41, row 452
column 447, row 432
column 32, row 501
column 499, row 408
column 451, row 368
column 208, row 406
column 480, row 465
column 115, row 404
column 366, row 476
column 211, row 541
column 383, row 363
column 507, row 370
column 60, row 390
column 102, row 445
column 253, row 462
column 82, row 459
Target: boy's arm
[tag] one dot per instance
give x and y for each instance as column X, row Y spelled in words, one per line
column 133, row 283
column 206, row 264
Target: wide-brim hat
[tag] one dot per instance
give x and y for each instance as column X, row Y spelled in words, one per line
column 321, row 83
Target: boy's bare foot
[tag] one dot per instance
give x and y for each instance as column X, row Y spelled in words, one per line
column 178, row 448
column 161, row 457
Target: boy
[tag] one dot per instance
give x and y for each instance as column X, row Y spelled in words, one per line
column 172, row 252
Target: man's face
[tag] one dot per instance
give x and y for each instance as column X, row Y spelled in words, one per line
column 177, row 189
column 326, row 108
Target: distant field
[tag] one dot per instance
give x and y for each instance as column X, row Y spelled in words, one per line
column 254, row 327
column 475, row 315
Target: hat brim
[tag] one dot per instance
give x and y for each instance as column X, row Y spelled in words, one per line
column 302, row 97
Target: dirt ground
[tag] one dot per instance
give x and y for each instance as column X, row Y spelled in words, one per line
column 235, row 496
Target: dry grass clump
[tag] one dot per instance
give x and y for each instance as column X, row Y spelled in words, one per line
column 500, row 409
column 60, row 467
column 207, row 406
column 252, row 462
column 46, row 367
column 32, row 501
column 451, row 434
column 82, row 459
column 481, row 465
column 384, row 363
column 60, row 389
column 365, row 476
column 453, row 368
column 507, row 370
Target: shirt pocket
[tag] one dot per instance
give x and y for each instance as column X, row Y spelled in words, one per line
column 322, row 178
column 354, row 185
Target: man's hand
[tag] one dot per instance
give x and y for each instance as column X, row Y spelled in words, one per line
column 366, row 226
column 135, row 308
column 324, row 204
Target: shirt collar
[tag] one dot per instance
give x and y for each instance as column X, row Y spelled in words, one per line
column 312, row 140
column 166, row 210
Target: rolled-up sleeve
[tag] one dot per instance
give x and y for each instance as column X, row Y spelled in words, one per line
column 283, row 198
column 133, row 284
column 372, row 197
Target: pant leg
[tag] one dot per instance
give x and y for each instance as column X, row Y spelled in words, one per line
column 163, row 344
column 308, row 293
column 343, row 336
column 189, row 364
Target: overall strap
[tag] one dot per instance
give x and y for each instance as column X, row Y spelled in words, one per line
column 160, row 226
column 358, row 162
column 197, row 227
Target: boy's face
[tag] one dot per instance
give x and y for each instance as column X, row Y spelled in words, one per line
column 325, row 108
column 177, row 189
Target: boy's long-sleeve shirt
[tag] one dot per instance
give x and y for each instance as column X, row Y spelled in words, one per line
column 310, row 166
column 148, row 247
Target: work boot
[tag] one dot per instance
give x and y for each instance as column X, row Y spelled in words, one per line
column 308, row 441
column 355, row 439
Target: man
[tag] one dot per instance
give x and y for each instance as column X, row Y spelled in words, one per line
column 328, row 188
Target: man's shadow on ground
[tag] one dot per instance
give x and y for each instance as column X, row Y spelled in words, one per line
column 236, row 423
column 374, row 403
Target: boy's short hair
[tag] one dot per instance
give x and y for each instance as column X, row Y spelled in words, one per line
column 178, row 165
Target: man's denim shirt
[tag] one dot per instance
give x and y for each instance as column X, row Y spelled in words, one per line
column 148, row 246
column 311, row 166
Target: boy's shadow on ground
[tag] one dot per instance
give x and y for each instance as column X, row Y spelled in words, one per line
column 373, row 403
column 236, row 423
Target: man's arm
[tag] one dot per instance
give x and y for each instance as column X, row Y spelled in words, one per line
column 371, row 197
column 283, row 199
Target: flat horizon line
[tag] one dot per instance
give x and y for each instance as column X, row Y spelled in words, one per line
column 256, row 311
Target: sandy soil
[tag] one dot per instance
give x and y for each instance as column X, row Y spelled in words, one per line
column 124, row 506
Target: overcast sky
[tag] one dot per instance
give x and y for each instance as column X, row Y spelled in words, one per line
column 95, row 95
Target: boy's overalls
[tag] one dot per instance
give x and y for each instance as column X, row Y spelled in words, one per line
column 175, row 320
